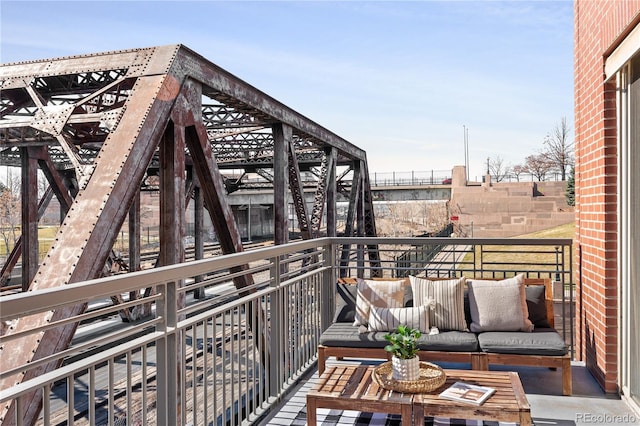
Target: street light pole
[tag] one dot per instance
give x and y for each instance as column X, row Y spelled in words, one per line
column 465, row 132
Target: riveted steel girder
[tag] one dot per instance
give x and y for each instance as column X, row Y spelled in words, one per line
column 87, row 234
column 95, row 124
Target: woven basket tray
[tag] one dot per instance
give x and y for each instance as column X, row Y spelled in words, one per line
column 431, row 378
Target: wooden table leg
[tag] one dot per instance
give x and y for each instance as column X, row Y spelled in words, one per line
column 311, row 411
column 525, row 419
column 407, row 413
column 418, row 414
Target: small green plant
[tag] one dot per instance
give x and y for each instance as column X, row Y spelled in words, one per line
column 403, row 343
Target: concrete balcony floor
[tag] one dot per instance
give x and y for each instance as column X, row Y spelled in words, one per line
column 588, row 404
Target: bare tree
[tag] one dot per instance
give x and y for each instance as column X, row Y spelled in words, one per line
column 497, row 169
column 558, row 149
column 538, row 166
column 517, row 170
column 10, row 211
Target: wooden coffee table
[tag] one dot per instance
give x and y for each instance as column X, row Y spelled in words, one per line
column 353, row 388
column 508, row 404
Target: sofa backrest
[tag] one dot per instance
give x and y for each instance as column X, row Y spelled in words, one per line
column 532, row 283
column 539, row 300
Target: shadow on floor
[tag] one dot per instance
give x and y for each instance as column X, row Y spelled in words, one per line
column 588, row 405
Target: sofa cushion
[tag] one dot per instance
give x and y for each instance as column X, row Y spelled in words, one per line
column 384, row 294
column 544, row 341
column 448, row 312
column 499, row 305
column 449, row 341
column 346, row 335
column 388, row 319
column 345, row 303
column 537, row 306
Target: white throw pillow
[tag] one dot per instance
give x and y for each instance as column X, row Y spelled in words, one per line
column 388, row 319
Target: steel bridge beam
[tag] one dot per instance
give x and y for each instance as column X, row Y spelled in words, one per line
column 86, row 236
column 95, row 124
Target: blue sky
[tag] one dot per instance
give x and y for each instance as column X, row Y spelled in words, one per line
column 398, row 79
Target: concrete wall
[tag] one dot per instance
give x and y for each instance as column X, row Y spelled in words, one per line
column 486, row 210
column 503, row 210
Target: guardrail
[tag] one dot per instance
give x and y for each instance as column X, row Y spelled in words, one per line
column 410, row 178
column 228, row 358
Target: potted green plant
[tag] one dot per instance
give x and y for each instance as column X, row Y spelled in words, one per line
column 403, row 346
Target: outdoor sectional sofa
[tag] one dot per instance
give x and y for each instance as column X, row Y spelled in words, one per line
column 541, row 347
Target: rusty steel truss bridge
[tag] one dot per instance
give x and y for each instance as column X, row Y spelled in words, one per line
column 103, row 127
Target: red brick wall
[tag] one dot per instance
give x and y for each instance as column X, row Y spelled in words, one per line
column 597, row 26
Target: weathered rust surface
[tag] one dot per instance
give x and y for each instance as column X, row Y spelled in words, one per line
column 87, row 234
column 282, row 137
column 297, row 193
column 331, row 193
column 320, row 195
column 29, row 204
column 94, row 123
column 57, row 187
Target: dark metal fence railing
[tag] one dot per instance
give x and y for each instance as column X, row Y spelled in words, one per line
column 228, row 357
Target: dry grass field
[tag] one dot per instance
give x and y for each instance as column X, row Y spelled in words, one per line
column 521, row 257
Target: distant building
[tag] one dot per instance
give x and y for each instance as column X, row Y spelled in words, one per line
column 607, row 129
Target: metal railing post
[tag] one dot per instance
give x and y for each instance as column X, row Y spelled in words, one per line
column 174, row 357
column 275, row 340
column 329, row 278
column 571, row 301
column 162, row 358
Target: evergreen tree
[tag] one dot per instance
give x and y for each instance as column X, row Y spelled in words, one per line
column 571, row 192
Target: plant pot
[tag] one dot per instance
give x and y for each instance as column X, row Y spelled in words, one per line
column 405, row 369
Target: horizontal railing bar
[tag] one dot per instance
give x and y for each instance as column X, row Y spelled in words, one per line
column 243, row 300
column 81, row 317
column 81, row 365
column 536, row 252
column 103, row 287
column 229, row 306
column 104, row 340
column 75, row 293
column 304, row 276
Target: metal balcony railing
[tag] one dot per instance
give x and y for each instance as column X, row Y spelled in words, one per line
column 228, row 358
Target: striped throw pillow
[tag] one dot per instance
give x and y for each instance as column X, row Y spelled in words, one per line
column 388, row 319
column 448, row 312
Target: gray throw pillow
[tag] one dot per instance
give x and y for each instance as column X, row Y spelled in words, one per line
column 537, row 306
column 345, row 303
column 499, row 305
